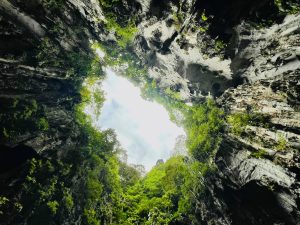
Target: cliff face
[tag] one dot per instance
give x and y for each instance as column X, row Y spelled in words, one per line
column 264, row 189
column 38, row 44
column 257, row 181
column 39, row 80
column 255, row 77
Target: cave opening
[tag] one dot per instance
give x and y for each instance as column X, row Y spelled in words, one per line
column 144, row 128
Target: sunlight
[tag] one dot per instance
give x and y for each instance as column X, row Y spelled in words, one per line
column 144, row 128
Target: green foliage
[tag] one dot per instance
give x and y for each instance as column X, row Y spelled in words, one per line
column 21, row 116
column 281, row 143
column 129, row 176
column 76, row 64
column 43, row 124
column 53, row 206
column 219, row 45
column 203, row 126
column 204, row 17
column 102, row 186
column 68, row 200
column 85, row 94
column 163, row 196
column 90, row 217
column 259, row 154
column 238, row 122
column 116, row 193
column 124, row 34
column 173, row 94
column 107, row 4
column 288, row 6
column 89, row 183
column 125, row 29
column 116, row 57
column 3, row 202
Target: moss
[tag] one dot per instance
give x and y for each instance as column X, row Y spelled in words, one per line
column 219, row 45
column 68, row 200
column 204, row 17
column 238, row 122
column 125, row 34
column 281, row 143
column 53, row 206
column 178, row 17
column 124, row 28
column 43, row 124
column 173, row 94
column 203, row 29
column 259, row 154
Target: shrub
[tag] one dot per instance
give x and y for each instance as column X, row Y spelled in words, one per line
column 281, row 143
column 259, row 154
column 43, row 124
column 238, row 122
column 203, row 126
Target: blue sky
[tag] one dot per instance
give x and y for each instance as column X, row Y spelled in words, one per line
column 143, row 127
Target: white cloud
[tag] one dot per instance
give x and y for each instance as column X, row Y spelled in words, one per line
column 143, row 127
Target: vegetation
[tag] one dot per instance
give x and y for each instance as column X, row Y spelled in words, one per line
column 170, row 192
column 90, row 183
column 164, row 196
column 43, row 124
column 219, row 45
column 125, row 34
column 116, row 57
column 288, row 6
column 203, row 126
column 124, row 28
column 282, row 143
column 21, row 116
column 239, row 121
column 77, row 64
column 259, row 154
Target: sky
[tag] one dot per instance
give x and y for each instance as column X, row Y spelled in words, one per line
column 143, row 127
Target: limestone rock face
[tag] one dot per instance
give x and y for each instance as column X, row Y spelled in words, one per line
column 27, row 30
column 257, row 178
column 263, row 190
column 268, row 53
column 169, row 43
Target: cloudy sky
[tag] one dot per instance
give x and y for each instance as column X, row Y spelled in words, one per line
column 143, row 127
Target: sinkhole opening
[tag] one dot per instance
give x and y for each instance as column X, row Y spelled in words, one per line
column 143, row 127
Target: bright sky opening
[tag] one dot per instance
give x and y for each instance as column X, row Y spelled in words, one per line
column 143, row 128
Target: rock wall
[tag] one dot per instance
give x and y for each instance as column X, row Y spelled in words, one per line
column 259, row 75
column 36, row 40
column 264, row 189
